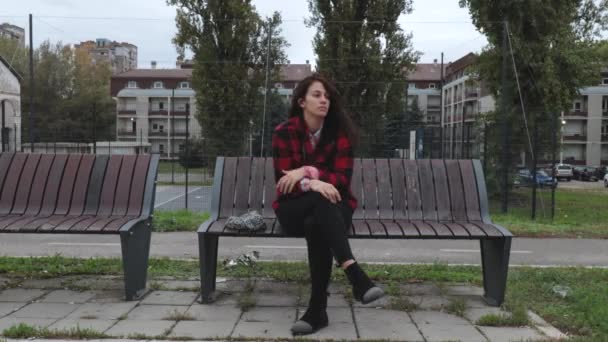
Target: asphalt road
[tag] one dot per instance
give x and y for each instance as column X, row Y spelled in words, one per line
column 184, row 245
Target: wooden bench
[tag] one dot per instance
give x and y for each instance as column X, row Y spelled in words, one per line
column 83, row 194
column 398, row 199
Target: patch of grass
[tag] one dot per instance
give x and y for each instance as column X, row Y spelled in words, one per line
column 177, row 220
column 578, row 213
column 518, row 317
column 23, row 330
column 456, row 306
column 246, row 301
column 402, row 303
column 176, row 315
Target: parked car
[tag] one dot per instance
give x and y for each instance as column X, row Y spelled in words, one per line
column 525, row 178
column 601, row 172
column 606, row 180
column 585, row 173
column 564, row 171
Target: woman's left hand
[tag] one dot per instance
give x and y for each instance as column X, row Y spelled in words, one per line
column 287, row 183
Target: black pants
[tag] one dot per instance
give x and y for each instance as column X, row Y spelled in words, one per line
column 324, row 225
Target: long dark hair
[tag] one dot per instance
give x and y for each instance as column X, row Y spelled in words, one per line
column 337, row 119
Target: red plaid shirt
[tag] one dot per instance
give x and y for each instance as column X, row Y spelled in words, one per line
column 291, row 149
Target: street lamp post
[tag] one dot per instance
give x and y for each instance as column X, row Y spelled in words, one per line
column 561, row 144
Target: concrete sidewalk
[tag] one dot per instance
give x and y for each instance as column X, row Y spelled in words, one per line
column 171, row 311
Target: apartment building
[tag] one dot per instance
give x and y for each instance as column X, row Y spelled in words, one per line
column 9, row 31
column 121, row 56
column 10, row 107
column 155, row 106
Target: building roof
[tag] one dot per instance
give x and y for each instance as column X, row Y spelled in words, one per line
column 461, row 63
column 427, row 72
column 155, row 73
column 12, row 70
column 295, row 72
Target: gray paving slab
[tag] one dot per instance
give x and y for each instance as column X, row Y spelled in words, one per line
column 157, row 312
column 108, row 296
column 262, row 330
column 170, row 298
column 202, row 330
column 275, row 286
column 8, row 322
column 275, row 299
column 109, row 311
column 429, row 302
column 440, row 332
column 383, row 302
column 100, row 283
column 9, row 307
column 337, row 315
column 336, row 331
column 420, row 289
column 68, row 296
column 45, row 310
column 230, row 285
column 473, row 314
column 475, row 301
column 508, row 334
column 126, row 328
column 20, row 295
column 337, row 300
column 463, row 290
column 286, row 315
column 227, row 298
column 93, row 324
column 437, row 318
column 378, row 324
column 49, row 283
column 215, row 313
column 184, row 285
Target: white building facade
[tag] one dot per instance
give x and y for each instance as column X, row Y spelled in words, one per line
column 10, row 107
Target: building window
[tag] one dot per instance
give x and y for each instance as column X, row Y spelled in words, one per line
column 155, row 127
column 132, row 84
column 411, row 85
column 432, row 86
column 158, row 84
column 161, row 105
column 278, row 85
column 184, row 85
column 161, row 128
column 577, row 106
column 605, row 81
column 161, row 148
column 181, row 148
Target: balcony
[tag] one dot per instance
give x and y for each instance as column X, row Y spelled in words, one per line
column 165, row 112
column 577, row 113
column 605, row 112
column 126, row 111
column 575, row 137
column 157, row 112
column 126, row 132
column 433, row 107
column 470, row 94
column 165, row 134
column 605, row 138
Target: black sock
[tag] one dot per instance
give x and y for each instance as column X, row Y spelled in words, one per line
column 359, row 280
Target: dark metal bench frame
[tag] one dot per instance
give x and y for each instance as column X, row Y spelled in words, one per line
column 83, row 194
column 457, row 208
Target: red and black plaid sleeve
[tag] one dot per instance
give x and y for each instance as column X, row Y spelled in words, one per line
column 341, row 170
column 286, row 153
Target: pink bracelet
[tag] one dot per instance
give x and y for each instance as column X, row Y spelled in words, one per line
column 311, row 172
column 305, row 184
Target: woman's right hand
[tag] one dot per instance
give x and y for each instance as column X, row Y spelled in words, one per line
column 326, row 189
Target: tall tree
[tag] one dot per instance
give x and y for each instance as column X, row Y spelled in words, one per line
column 230, row 45
column 360, row 45
column 555, row 51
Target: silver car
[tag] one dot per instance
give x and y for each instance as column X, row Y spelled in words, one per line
column 564, row 171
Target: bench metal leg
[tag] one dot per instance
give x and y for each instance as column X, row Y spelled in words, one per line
column 495, row 264
column 207, row 249
column 135, row 246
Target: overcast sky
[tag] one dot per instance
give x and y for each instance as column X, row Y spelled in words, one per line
column 438, row 26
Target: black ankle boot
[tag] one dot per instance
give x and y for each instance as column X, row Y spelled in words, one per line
column 364, row 289
column 314, row 318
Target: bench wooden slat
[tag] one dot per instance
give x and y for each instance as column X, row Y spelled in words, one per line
column 108, row 189
column 218, row 226
column 139, row 185
column 123, row 186
column 81, row 185
column 51, row 191
column 425, row 173
column 84, row 224
column 470, row 190
column 408, row 228
column 116, row 224
column 473, row 230
column 356, row 185
column 456, row 192
column 241, row 193
column 424, row 228
column 8, row 220
column 392, row 228
column 257, row 185
column 457, row 230
column 489, row 229
column 398, row 189
column 67, row 184
column 25, row 184
column 442, row 195
column 440, row 229
column 384, row 189
column 39, row 184
column 412, row 189
column 270, row 190
column 100, row 223
column 360, row 227
column 11, row 183
column 18, row 224
column 376, row 228
column 5, row 164
column 66, row 225
column 228, row 185
column 369, row 189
